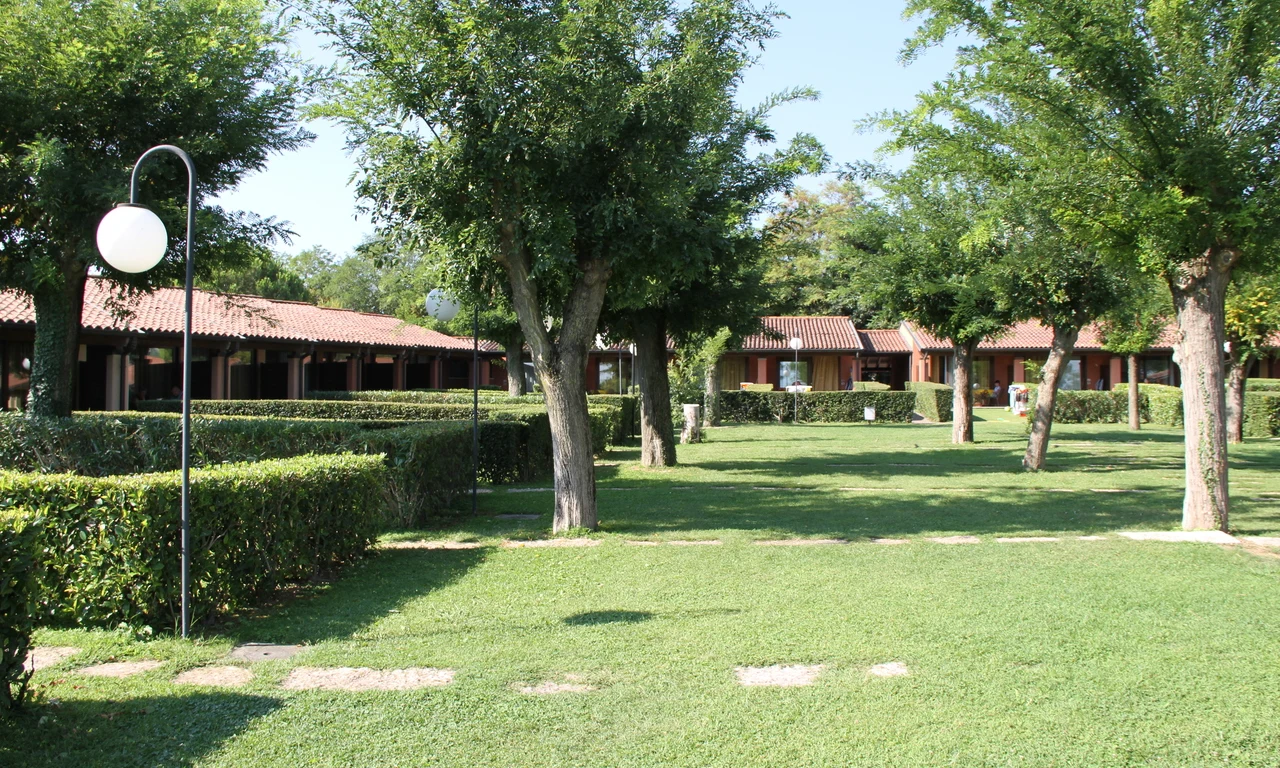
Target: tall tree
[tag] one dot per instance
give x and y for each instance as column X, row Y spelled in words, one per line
column 935, row 272
column 1252, row 320
column 86, row 86
column 1132, row 327
column 267, row 275
column 1174, row 108
column 541, row 143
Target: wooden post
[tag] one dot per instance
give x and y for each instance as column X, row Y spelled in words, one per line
column 692, row 432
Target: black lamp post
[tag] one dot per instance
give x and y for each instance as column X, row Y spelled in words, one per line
column 444, row 309
column 131, row 238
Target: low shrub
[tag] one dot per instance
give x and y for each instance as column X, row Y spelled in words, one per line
column 426, row 396
column 826, row 407
column 1085, row 406
column 1161, row 404
column 629, row 418
column 870, row 386
column 19, row 532
column 1262, row 413
column 1262, row 385
column 933, row 401
column 108, row 547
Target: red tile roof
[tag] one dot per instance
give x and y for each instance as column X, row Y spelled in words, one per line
column 1029, row 335
column 234, row 316
column 824, row 334
column 884, row 342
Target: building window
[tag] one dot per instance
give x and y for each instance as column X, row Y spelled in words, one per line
column 611, row 382
column 1155, row 370
column 1071, row 376
column 790, row 372
column 243, row 375
column 156, row 374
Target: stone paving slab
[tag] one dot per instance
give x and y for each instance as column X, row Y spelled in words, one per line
column 1092, row 538
column 528, row 490
column 263, row 651
column 553, row 543
column 955, row 540
column 518, row 516
column 779, row 675
column 365, row 679
column 426, row 544
column 1265, row 541
column 799, row 542
column 215, row 677
column 695, row 542
column 889, row 669
column 1199, row 537
column 44, row 656
column 120, row 668
column 891, row 541
column 1025, row 539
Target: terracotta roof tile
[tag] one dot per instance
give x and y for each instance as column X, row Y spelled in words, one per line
column 816, row 333
column 1029, row 335
column 884, row 341
column 234, row 316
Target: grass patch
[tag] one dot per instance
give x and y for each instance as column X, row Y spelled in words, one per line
column 1073, row 652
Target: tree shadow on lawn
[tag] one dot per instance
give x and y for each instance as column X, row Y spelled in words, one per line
column 364, row 593
column 875, row 514
column 135, row 731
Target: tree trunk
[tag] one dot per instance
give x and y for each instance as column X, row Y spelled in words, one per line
column 57, row 344
column 515, row 365
column 962, row 399
column 1199, row 293
column 657, row 435
column 1236, row 369
column 711, row 398
column 1063, row 345
column 1135, row 397
column 561, row 365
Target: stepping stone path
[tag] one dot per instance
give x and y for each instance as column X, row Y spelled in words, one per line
column 1201, row 537
column 431, row 545
column 1265, row 541
column 779, row 675
column 1120, row 490
column 800, row 542
column 535, row 543
column 518, row 517
column 120, row 668
column 41, row 657
column 696, row 543
column 1025, row 539
column 1092, row 538
column 956, row 540
column 263, row 652
column 891, row 541
column 889, row 669
column 528, row 490
column 632, row 543
column 567, row 684
column 365, row 679
column 215, row 677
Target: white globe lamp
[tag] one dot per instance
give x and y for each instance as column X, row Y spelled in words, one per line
column 796, row 344
column 131, row 238
column 441, row 307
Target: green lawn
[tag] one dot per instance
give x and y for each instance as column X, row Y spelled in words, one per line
column 1072, row 653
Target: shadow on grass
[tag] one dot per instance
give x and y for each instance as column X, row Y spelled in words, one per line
column 594, row 618
column 365, row 593
column 172, row 730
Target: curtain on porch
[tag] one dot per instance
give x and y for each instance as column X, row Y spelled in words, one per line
column 826, row 373
column 732, row 372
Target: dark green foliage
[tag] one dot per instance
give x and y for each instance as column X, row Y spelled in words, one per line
column 1161, row 404
column 1262, row 385
column 870, row 386
column 1262, row 414
column 426, row 396
column 933, row 401
column 827, row 407
column 109, row 546
column 18, row 589
column 429, row 463
column 629, row 418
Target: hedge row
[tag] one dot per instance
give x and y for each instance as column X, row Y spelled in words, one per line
column 1262, row 413
column 428, row 463
column 834, row 407
column 933, row 401
column 1262, row 385
column 1159, row 404
column 108, row 547
column 18, row 598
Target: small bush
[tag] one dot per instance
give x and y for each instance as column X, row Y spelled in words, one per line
column 18, row 600
column 933, row 401
column 1086, row 406
column 1262, row 385
column 1261, row 413
column 870, row 386
column 826, row 407
column 1161, row 404
column 109, row 546
column 629, row 418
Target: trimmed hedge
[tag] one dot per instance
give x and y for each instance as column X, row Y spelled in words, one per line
column 870, row 386
column 429, row 462
column 108, row 548
column 1262, row 385
column 1161, row 404
column 19, row 531
column 828, row 407
column 1261, row 414
column 933, row 401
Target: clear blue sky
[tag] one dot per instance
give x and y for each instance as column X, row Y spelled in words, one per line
column 846, row 49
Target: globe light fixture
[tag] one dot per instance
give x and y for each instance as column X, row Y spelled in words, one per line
column 441, row 307
column 131, row 238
